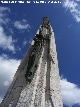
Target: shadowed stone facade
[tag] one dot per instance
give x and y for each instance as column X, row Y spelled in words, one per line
column 37, row 82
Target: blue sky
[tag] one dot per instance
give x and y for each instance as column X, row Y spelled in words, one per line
column 18, row 25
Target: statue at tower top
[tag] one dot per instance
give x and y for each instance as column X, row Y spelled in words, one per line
column 45, row 21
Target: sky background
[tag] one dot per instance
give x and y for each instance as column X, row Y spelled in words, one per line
column 19, row 24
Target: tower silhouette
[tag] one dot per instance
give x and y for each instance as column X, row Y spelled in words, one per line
column 37, row 81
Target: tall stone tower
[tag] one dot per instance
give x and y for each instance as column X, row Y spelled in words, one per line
column 37, row 82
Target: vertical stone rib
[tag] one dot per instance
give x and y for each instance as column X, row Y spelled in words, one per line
column 44, row 85
column 36, row 82
column 39, row 91
column 54, row 75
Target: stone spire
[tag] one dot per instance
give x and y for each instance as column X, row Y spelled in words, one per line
column 37, row 82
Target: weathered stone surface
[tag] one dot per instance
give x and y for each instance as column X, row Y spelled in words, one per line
column 41, row 85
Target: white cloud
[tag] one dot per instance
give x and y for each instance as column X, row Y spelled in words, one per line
column 22, row 25
column 74, row 7
column 8, row 67
column 6, row 42
column 4, row 11
column 70, row 93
